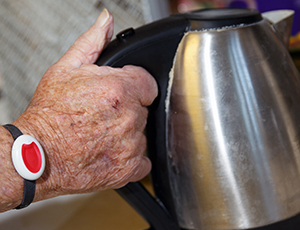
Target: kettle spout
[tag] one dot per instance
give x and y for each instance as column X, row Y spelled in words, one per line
column 282, row 22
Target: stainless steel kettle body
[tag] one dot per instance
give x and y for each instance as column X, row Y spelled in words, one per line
column 233, row 129
column 224, row 132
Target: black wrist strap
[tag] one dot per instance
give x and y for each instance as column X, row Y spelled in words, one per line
column 28, row 196
column 29, row 186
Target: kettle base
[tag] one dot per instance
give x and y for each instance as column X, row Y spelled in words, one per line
column 292, row 223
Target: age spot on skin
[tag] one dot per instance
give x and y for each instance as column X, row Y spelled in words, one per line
column 72, row 124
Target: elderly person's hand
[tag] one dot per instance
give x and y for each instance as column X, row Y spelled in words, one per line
column 89, row 119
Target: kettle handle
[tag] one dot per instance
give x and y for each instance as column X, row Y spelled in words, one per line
column 152, row 47
column 150, row 208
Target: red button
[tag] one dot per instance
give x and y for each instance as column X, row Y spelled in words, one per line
column 32, row 157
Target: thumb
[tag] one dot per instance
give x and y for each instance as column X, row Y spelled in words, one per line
column 90, row 44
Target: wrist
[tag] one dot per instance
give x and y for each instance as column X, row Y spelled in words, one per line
column 12, row 183
column 46, row 186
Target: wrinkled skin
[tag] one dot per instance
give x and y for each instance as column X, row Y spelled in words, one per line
column 90, row 119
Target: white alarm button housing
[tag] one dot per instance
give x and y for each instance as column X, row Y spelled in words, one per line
column 28, row 157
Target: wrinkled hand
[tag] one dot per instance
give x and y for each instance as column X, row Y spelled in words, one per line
column 90, row 119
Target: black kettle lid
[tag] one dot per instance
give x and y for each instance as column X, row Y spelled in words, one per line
column 223, row 17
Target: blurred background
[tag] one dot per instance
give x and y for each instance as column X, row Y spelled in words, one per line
column 34, row 34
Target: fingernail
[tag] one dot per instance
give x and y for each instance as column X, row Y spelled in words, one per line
column 103, row 17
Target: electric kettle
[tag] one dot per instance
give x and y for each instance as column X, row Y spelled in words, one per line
column 224, row 133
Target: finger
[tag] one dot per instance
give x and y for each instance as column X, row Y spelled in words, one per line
column 144, row 83
column 138, row 165
column 90, row 44
column 143, row 169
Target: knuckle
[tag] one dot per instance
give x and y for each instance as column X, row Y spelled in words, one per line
column 116, row 94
